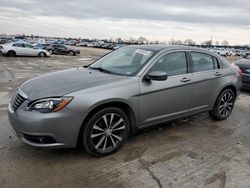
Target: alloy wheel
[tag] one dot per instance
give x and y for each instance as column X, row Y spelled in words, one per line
column 107, row 132
column 226, row 104
column 41, row 54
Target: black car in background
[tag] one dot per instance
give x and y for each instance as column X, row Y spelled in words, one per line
column 244, row 65
column 4, row 41
column 61, row 49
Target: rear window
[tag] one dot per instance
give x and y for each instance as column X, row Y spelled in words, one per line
column 204, row 62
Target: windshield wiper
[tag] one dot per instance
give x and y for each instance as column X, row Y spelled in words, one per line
column 100, row 69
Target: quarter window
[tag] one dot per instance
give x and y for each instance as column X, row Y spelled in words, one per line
column 204, row 62
column 173, row 64
column 216, row 63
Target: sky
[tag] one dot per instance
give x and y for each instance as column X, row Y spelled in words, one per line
column 154, row 19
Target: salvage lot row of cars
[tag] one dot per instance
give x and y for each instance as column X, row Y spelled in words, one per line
column 25, row 49
column 229, row 52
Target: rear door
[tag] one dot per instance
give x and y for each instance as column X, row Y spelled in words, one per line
column 164, row 100
column 61, row 49
column 207, row 73
column 19, row 48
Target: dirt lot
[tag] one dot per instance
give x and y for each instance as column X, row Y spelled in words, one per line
column 196, row 152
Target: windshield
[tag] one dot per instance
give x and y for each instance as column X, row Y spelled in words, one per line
column 124, row 61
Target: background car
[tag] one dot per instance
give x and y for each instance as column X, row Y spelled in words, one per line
column 221, row 52
column 62, row 49
column 244, row 65
column 4, row 41
column 22, row 49
column 82, row 44
column 241, row 52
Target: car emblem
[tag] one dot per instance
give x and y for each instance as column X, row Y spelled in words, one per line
column 247, row 70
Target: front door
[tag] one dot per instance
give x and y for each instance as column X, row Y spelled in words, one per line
column 164, row 100
column 29, row 50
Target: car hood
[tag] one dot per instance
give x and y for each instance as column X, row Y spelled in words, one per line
column 245, row 63
column 65, row 82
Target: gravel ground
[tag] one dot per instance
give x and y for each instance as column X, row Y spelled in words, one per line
column 195, row 152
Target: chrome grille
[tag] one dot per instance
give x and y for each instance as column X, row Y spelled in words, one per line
column 17, row 101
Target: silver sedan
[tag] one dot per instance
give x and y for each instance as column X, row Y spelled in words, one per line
column 22, row 49
column 98, row 106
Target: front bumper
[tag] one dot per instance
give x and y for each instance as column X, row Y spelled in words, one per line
column 47, row 53
column 54, row 130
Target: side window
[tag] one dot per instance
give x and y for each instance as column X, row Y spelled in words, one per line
column 173, row 64
column 28, row 46
column 20, row 45
column 204, row 62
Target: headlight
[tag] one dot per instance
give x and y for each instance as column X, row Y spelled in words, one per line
column 50, row 104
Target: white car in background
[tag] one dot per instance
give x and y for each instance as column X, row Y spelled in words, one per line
column 221, row 52
column 22, row 49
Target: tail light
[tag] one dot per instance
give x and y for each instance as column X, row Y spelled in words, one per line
column 240, row 73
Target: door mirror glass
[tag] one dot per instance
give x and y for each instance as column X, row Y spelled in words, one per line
column 157, row 75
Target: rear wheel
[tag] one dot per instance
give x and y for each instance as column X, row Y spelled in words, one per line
column 71, row 53
column 106, row 132
column 11, row 53
column 224, row 105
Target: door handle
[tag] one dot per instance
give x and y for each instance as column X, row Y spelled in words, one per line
column 218, row 74
column 185, row 79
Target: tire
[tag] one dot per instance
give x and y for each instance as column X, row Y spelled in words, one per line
column 224, row 105
column 105, row 132
column 71, row 53
column 11, row 53
column 42, row 54
column 50, row 51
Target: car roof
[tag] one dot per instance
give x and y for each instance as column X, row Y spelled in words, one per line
column 156, row 47
column 164, row 48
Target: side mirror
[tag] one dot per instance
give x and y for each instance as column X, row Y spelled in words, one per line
column 157, row 75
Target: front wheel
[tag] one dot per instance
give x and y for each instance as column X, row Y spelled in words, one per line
column 106, row 132
column 224, row 105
